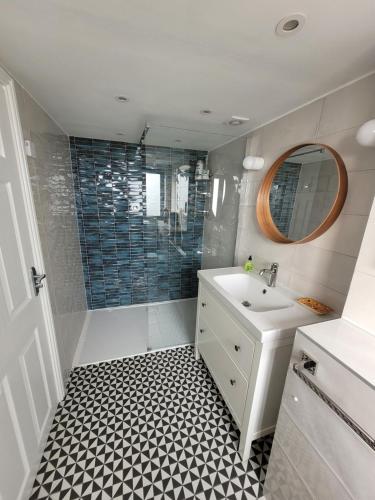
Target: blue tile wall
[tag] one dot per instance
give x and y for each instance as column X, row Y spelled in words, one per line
column 132, row 258
column 283, row 194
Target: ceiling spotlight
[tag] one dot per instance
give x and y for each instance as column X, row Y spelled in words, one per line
column 237, row 120
column 121, row 98
column 291, row 24
column 205, row 111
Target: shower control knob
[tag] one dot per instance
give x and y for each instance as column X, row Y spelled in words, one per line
column 237, row 348
column 232, row 381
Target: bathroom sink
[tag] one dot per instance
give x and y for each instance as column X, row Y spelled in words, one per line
column 252, row 293
column 269, row 313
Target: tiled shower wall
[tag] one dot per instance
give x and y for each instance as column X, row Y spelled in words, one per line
column 132, row 258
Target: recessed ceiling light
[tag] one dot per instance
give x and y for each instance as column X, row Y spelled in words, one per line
column 122, row 98
column 120, row 133
column 291, row 24
column 205, row 111
column 178, row 140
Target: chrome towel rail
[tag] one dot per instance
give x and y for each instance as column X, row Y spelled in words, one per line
column 369, row 440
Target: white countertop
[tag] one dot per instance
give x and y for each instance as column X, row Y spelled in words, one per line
column 267, row 325
column 348, row 344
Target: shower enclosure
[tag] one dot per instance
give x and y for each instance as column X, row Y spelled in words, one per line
column 141, row 214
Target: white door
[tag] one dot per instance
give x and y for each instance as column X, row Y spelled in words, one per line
column 29, row 388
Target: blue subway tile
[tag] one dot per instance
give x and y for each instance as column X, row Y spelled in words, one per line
column 130, row 258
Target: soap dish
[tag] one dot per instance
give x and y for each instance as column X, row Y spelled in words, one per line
column 314, row 305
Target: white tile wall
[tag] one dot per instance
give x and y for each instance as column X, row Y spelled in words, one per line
column 220, row 227
column 324, row 267
column 359, row 307
column 52, row 186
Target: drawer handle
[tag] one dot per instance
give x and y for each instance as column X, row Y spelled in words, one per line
column 232, row 381
column 204, row 304
column 237, row 348
column 201, row 330
column 298, row 370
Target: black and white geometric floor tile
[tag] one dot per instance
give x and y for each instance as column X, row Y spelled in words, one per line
column 149, row 427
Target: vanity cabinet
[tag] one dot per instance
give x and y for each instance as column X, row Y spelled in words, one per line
column 250, row 374
column 324, row 446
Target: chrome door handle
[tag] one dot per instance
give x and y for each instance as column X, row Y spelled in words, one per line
column 37, row 280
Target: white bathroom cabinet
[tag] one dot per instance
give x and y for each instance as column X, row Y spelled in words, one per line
column 324, row 444
column 249, row 373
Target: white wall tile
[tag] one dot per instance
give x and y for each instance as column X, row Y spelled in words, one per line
column 309, row 288
column 359, row 307
column 247, row 218
column 52, row 186
column 355, row 156
column 344, row 236
column 331, row 269
column 324, row 267
column 220, row 229
column 292, row 129
column 361, row 192
column 348, row 107
column 366, row 258
column 254, row 143
column 249, row 189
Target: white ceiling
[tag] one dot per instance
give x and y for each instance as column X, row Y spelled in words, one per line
column 173, row 58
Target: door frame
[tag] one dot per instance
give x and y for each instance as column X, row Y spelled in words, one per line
column 8, row 82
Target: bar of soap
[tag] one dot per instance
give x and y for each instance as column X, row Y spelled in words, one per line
column 314, row 305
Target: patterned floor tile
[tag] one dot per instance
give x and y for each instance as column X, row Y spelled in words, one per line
column 149, row 427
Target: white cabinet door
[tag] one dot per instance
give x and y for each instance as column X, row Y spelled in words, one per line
column 28, row 393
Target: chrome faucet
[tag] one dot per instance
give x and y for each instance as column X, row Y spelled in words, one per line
column 271, row 274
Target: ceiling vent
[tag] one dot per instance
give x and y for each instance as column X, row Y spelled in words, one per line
column 237, row 120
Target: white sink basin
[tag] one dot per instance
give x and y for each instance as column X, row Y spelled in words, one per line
column 251, row 293
column 272, row 315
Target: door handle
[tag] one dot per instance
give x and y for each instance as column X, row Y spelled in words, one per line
column 37, row 280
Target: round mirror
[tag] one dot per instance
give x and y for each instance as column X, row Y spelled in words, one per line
column 302, row 194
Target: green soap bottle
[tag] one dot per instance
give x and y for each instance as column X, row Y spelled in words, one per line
column 249, row 265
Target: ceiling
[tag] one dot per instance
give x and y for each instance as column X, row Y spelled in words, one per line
column 173, row 58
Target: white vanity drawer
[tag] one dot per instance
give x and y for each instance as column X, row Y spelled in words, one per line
column 232, row 336
column 231, row 382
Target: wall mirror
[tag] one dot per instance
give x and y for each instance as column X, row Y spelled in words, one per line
column 302, row 194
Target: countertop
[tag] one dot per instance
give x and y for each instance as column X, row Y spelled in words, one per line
column 267, row 325
column 348, row 344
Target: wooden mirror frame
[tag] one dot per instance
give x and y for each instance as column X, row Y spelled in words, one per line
column 263, row 210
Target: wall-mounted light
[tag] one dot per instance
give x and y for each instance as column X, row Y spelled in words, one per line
column 253, row 163
column 366, row 134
